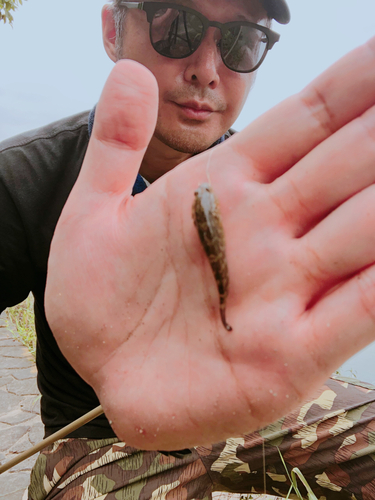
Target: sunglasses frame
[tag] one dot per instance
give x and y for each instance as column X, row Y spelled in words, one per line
column 152, row 7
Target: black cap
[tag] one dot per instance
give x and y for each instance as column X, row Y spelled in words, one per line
column 278, row 10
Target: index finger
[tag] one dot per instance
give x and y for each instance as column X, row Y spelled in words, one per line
column 285, row 134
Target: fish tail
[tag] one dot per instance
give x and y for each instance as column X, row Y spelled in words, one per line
column 224, row 321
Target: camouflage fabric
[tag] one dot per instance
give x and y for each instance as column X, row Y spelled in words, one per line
column 330, row 438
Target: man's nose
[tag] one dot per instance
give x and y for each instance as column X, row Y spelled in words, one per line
column 204, row 64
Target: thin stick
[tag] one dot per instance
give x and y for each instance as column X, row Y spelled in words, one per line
column 264, row 468
column 54, row 437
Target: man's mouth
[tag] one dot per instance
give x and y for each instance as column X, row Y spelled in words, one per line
column 195, row 110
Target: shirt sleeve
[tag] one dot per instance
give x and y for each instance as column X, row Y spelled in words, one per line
column 16, row 272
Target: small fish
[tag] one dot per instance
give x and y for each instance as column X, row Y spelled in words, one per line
column 207, row 220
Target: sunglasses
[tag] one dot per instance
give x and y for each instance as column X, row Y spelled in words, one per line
column 177, row 31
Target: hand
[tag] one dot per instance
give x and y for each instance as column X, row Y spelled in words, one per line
column 131, row 297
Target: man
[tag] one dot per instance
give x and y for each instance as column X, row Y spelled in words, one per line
column 131, row 298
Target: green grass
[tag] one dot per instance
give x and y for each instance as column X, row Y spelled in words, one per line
column 20, row 321
column 296, row 473
column 293, row 478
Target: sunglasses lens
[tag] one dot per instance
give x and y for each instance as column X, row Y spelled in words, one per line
column 175, row 33
column 243, row 47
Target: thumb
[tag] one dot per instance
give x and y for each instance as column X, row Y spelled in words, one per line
column 125, row 120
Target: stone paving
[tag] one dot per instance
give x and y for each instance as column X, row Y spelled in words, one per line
column 20, row 423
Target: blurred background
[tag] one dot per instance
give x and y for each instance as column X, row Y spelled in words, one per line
column 53, row 65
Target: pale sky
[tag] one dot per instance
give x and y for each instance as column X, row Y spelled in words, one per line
column 53, row 65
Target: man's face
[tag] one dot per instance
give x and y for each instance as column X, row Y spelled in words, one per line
column 199, row 97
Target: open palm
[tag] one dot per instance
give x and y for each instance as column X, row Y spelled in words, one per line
column 131, row 297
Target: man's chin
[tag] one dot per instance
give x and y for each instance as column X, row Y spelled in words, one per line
column 188, row 142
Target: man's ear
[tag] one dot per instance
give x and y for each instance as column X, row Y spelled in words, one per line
column 109, row 32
